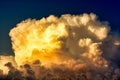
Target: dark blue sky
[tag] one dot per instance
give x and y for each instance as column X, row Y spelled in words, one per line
column 13, row 12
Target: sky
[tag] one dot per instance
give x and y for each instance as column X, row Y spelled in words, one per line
column 13, row 12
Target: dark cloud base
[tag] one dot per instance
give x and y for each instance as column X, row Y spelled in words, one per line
column 37, row 72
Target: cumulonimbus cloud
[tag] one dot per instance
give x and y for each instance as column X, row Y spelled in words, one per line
column 57, row 40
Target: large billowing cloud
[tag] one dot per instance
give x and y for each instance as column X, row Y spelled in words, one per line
column 54, row 40
column 67, row 47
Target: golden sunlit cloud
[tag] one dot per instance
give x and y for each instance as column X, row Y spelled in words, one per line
column 60, row 48
column 54, row 40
